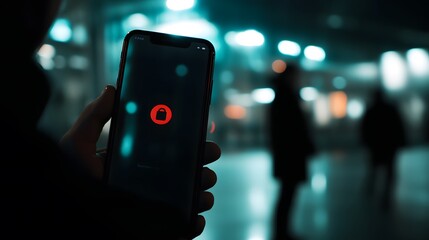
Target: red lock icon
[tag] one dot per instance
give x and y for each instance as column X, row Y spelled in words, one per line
column 161, row 114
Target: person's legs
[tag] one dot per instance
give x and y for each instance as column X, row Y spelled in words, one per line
column 282, row 211
column 387, row 190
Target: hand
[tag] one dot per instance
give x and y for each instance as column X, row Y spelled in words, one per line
column 81, row 140
column 209, row 178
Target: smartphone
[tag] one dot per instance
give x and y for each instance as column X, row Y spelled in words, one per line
column 159, row 123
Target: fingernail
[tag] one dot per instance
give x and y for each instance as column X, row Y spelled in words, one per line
column 102, row 92
column 105, row 89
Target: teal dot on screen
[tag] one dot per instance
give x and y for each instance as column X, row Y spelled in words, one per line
column 181, row 70
column 127, row 145
column 131, row 107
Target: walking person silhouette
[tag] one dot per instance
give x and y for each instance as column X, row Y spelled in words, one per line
column 290, row 145
column 382, row 132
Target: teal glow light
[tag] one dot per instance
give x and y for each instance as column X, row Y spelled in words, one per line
column 263, row 95
column 418, row 61
column 355, row 109
column 315, row 53
column 393, row 71
column 180, row 5
column 250, row 38
column 289, row 48
column 190, row 27
column 131, row 107
column 319, row 183
column 61, row 31
column 339, row 82
column 138, row 20
column 308, row 93
column 127, row 145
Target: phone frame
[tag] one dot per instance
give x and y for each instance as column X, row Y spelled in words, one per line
column 167, row 39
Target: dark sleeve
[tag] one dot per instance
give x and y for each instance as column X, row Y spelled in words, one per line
column 44, row 200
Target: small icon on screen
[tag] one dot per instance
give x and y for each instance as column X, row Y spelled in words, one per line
column 161, row 114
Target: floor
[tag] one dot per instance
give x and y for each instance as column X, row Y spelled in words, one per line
column 330, row 205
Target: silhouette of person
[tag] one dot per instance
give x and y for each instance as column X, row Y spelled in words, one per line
column 290, row 145
column 53, row 189
column 383, row 133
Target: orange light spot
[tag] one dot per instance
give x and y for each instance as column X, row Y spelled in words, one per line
column 338, row 104
column 279, row 66
column 235, row 112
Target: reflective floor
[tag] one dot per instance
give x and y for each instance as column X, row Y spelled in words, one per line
column 331, row 205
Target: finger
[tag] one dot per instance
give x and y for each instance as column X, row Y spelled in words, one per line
column 212, row 152
column 101, row 153
column 201, row 224
column 92, row 120
column 206, row 201
column 208, row 178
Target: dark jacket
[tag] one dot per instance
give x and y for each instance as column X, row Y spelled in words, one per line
column 290, row 140
column 43, row 195
column 382, row 130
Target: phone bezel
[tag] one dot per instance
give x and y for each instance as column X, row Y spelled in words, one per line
column 177, row 41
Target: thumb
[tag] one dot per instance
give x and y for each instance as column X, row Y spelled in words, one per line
column 93, row 118
column 81, row 140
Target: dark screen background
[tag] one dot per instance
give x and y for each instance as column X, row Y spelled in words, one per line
column 159, row 161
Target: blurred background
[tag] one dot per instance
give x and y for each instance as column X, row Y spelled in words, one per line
column 346, row 49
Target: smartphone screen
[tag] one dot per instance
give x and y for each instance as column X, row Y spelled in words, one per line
column 158, row 129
